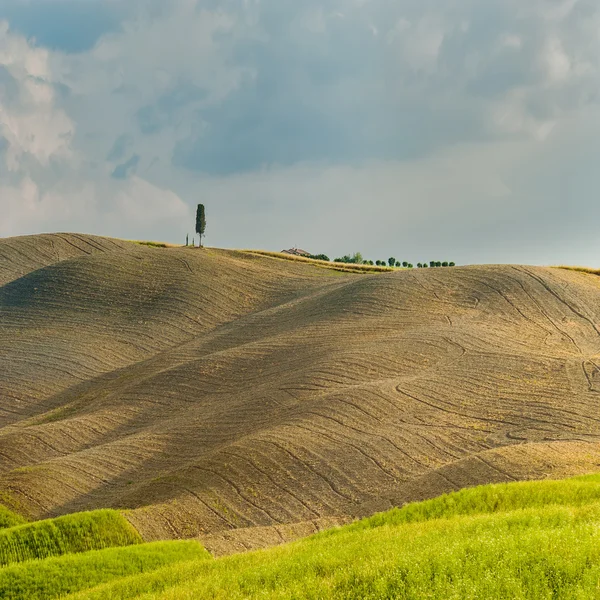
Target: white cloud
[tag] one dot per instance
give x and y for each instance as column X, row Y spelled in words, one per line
column 35, row 126
column 556, row 60
column 19, row 207
column 511, row 40
column 417, row 44
column 30, row 121
column 550, row 10
column 151, row 55
column 19, row 57
column 134, row 208
column 145, row 206
column 511, row 115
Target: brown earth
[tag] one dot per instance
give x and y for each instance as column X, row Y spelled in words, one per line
column 208, row 391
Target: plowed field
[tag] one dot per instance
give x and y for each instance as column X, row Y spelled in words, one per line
column 217, row 393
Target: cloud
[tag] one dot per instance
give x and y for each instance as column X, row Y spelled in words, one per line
column 324, row 88
column 130, row 209
column 122, row 143
column 53, row 179
column 293, row 115
column 31, row 123
column 123, row 170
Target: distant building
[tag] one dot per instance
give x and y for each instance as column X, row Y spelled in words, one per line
column 296, row 252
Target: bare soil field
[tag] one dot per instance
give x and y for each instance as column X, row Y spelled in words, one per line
column 245, row 399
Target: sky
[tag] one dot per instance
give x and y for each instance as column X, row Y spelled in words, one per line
column 421, row 129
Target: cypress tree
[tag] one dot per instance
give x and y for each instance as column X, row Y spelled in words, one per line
column 200, row 222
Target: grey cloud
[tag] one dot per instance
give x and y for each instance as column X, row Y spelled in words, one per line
column 267, row 135
column 329, row 89
column 9, row 87
column 126, row 169
column 149, row 120
column 164, row 113
column 120, row 147
column 183, row 94
column 304, row 104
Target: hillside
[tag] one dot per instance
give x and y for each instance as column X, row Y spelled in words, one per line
column 246, row 399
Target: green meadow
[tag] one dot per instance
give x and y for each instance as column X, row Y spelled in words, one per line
column 78, row 532
column 54, row 577
column 534, row 540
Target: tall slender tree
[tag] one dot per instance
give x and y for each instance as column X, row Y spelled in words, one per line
column 200, row 222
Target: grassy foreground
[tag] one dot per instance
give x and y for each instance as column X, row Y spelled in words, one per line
column 533, row 540
column 60, row 575
column 78, row 532
column 525, row 554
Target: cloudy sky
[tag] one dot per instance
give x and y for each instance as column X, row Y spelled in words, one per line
column 465, row 130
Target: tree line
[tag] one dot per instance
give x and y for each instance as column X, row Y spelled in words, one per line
column 357, row 259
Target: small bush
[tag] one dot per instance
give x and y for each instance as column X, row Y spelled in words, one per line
column 152, row 244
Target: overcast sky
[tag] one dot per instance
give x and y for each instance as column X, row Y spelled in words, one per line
column 464, row 130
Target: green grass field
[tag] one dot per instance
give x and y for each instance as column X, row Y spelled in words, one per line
column 54, row 577
column 78, row 532
column 488, row 499
column 9, row 518
column 534, row 540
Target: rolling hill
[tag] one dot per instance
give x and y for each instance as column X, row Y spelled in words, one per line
column 248, row 400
